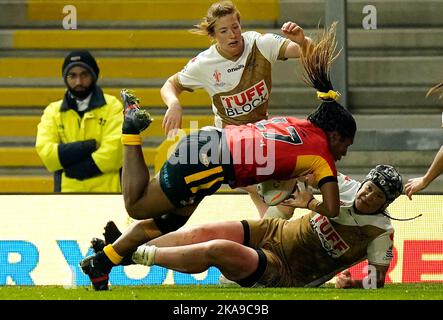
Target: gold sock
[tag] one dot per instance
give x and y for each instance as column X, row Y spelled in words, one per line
column 112, row 254
column 131, row 139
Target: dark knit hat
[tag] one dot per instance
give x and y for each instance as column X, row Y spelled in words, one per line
column 83, row 59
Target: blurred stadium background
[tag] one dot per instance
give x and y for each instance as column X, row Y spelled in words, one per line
column 139, row 44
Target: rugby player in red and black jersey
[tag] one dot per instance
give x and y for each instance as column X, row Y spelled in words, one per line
column 282, row 147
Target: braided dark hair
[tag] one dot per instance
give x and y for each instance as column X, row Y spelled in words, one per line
column 332, row 116
column 317, row 61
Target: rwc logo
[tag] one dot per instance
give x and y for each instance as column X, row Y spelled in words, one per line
column 244, row 102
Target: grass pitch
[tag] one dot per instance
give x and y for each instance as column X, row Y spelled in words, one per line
column 418, row 291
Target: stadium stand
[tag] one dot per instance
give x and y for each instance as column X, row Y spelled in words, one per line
column 140, row 43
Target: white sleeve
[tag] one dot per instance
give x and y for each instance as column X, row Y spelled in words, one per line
column 347, row 187
column 189, row 77
column 269, row 45
column 380, row 249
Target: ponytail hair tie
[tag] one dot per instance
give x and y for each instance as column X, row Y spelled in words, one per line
column 330, row 95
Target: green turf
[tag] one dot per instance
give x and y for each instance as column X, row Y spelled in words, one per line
column 422, row 291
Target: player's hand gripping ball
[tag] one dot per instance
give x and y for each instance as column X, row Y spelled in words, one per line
column 275, row 191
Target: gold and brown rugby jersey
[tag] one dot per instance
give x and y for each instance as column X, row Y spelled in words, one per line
column 310, row 250
column 239, row 89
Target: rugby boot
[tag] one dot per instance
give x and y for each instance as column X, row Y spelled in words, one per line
column 136, row 120
column 97, row 244
column 111, row 234
column 95, row 268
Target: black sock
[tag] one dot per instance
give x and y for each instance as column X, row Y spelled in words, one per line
column 105, row 263
column 127, row 260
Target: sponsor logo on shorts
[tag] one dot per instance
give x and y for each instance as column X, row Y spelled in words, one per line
column 244, row 102
column 331, row 241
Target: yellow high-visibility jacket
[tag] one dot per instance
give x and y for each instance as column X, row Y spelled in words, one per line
column 61, row 125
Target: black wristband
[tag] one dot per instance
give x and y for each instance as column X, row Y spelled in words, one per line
column 307, row 205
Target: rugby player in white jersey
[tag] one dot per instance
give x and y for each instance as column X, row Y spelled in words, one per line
column 236, row 71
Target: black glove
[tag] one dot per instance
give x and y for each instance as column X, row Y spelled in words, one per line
column 83, row 170
column 75, row 152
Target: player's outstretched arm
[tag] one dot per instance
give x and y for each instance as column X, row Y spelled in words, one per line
column 417, row 184
column 300, row 43
column 173, row 116
column 344, row 279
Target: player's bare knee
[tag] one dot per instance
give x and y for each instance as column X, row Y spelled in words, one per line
column 134, row 214
column 215, row 249
column 130, row 209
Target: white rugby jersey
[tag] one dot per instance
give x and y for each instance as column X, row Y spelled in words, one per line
column 239, row 89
